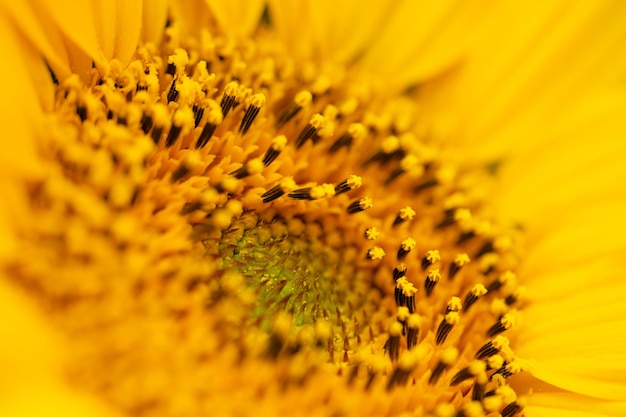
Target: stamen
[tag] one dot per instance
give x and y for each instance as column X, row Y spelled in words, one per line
column 504, row 279
column 405, row 214
column 356, row 132
column 515, row 296
column 431, row 281
column 302, row 99
column 413, row 325
column 448, row 357
column 406, row 364
column 278, row 190
column 454, row 304
column 403, row 316
column 492, row 347
column 430, row 258
column 474, row 369
column 214, row 118
column 375, row 254
column 229, row 99
column 505, row 323
column 399, row 272
column 198, row 112
column 182, row 123
column 277, row 146
column 460, row 261
column 512, row 409
column 351, row 183
column 406, row 295
column 446, row 325
column 310, row 131
column 393, row 343
column 253, row 166
column 406, row 246
column 510, row 369
column 146, row 123
column 313, row 193
column 371, row 233
column 478, row 392
column 472, row 296
column 256, row 102
column 360, row 205
column 408, row 164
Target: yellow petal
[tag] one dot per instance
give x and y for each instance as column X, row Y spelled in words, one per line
column 25, row 92
column 527, row 61
column 418, row 40
column 30, row 358
column 128, row 26
column 292, row 20
column 154, row 18
column 551, row 404
column 238, row 18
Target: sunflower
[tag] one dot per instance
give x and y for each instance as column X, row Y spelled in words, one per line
column 313, row 209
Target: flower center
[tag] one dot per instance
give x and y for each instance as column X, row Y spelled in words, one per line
column 218, row 209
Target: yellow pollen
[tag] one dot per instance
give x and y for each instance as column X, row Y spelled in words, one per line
column 408, row 244
column 407, row 213
column 461, row 259
column 372, row 233
column 375, row 253
column 433, row 256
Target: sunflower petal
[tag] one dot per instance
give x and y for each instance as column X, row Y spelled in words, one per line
column 438, row 31
column 515, row 84
column 154, row 18
column 238, row 18
column 552, row 404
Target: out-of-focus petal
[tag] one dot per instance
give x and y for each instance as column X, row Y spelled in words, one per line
column 238, row 18
column 154, row 18
column 558, row 404
column 418, row 40
column 526, row 63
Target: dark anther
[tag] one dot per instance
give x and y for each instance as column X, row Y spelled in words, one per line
column 461, row 376
column 425, row 185
column 511, row 409
column 82, row 112
column 228, row 102
column 172, row 95
column 437, row 372
column 344, row 140
column 430, row 283
column 464, row 237
column 487, row 350
column 443, row 331
column 240, row 172
column 205, row 135
column 172, row 135
column 146, row 123
column 478, row 392
column 198, row 112
column 156, row 134
column 171, row 69
column 301, row 194
column 309, row 132
column 180, row 172
column 399, row 271
column 287, row 114
column 272, row 194
column 484, row 249
column 393, row 175
column 250, row 114
column 448, row 219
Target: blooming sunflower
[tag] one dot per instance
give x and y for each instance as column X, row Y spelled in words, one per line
column 313, row 209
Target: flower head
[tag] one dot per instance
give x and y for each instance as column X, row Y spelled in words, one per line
column 238, row 214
